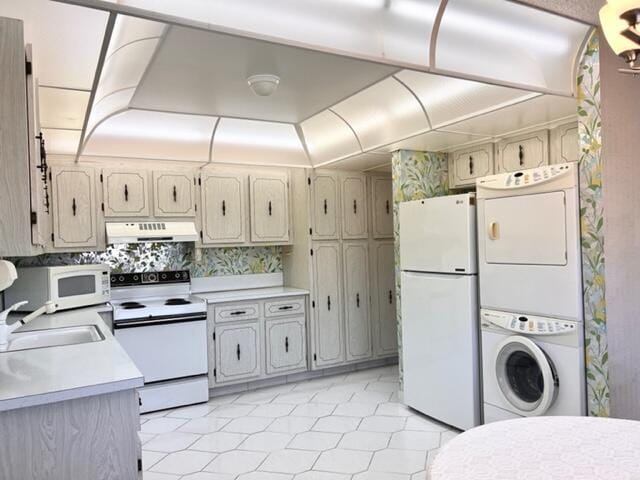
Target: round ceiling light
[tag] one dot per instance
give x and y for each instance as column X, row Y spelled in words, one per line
column 263, row 85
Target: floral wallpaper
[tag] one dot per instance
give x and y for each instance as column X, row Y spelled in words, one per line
column 171, row 256
column 592, row 230
column 416, row 175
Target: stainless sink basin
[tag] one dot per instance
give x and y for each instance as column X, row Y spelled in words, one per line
column 53, row 337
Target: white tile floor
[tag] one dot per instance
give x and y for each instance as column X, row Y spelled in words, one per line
column 345, row 427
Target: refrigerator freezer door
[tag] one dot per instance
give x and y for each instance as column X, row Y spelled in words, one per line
column 440, row 347
column 439, row 235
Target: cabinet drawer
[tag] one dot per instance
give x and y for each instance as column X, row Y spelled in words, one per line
column 282, row 307
column 286, row 340
column 236, row 312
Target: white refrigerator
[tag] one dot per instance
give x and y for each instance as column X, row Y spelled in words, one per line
column 439, row 304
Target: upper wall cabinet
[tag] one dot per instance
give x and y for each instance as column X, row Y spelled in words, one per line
column 125, row 192
column 564, row 144
column 269, row 200
column 223, row 207
column 525, row 151
column 174, row 194
column 324, row 206
column 382, row 207
column 354, row 205
column 471, row 163
column 74, row 206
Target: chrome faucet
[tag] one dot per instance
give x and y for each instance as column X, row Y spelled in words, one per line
column 6, row 328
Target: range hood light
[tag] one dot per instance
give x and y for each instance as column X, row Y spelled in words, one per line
column 263, row 85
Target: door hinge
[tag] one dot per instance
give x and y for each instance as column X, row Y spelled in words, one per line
column 315, row 357
column 28, row 67
column 215, row 373
column 199, row 181
column 312, row 252
column 313, row 304
column 102, row 206
column 49, row 175
column 34, row 218
column 101, row 179
column 308, row 180
column 195, row 207
column 214, row 335
column 139, row 464
column 311, row 231
column 201, row 236
column 52, row 237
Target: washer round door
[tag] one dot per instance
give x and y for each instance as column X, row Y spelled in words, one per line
column 526, row 376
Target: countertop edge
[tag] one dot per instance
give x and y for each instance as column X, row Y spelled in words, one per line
column 251, row 294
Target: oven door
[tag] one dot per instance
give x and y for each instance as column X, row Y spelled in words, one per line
column 165, row 349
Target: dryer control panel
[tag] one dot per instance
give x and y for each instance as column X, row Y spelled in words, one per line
column 527, row 324
column 526, row 178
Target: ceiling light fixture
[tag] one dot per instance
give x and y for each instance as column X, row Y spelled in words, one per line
column 620, row 21
column 263, row 85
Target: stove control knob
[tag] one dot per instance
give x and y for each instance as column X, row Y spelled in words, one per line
column 184, row 274
column 177, row 275
column 135, row 277
column 152, row 277
column 113, row 278
column 163, row 276
column 121, row 278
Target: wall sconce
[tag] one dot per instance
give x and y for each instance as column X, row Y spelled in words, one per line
column 620, row 21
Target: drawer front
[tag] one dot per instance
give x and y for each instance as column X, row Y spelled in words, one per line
column 284, row 307
column 237, row 312
column 286, row 342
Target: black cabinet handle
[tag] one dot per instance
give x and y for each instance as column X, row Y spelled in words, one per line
column 269, row 207
column 390, row 297
column 387, row 207
column 358, row 300
column 470, row 165
column 355, row 206
column 74, row 207
column 224, row 209
column 126, row 193
column 329, row 303
column 286, row 307
column 325, row 206
column 238, row 312
column 238, row 351
column 175, row 194
column 521, row 154
column 286, row 344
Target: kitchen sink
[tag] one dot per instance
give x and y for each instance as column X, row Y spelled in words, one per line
column 53, row 337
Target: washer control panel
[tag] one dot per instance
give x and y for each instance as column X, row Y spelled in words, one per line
column 527, row 324
column 526, row 178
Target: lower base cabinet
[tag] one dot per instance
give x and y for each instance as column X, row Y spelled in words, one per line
column 237, row 352
column 286, row 345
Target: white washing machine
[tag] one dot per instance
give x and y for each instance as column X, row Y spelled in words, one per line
column 532, row 366
column 529, row 242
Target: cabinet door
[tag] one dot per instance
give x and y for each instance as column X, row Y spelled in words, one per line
column 382, row 206
column 354, row 208
column 223, row 208
column 286, row 341
column 269, row 207
column 467, row 165
column 174, row 194
column 237, row 351
column 74, row 207
column 522, row 152
column 384, row 298
column 565, row 144
column 125, row 193
column 328, row 320
column 356, row 300
column 324, row 206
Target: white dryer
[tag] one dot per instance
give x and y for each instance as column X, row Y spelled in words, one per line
column 532, row 366
column 529, row 242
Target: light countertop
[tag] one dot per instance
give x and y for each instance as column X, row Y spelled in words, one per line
column 54, row 374
column 251, row 294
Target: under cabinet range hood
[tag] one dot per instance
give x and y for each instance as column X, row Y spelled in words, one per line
column 141, row 232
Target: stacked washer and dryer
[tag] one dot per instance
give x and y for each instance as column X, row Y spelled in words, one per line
column 530, row 280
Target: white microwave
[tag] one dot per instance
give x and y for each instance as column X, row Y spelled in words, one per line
column 69, row 286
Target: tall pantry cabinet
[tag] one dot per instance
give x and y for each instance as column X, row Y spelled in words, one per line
column 350, row 228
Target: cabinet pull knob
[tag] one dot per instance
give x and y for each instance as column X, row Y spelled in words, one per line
column 358, row 300
column 325, row 206
column 390, row 297
column 73, row 206
column 238, row 351
column 269, row 207
column 387, row 206
column 238, row 312
column 175, row 194
column 286, row 344
column 521, row 154
column 224, row 209
column 286, row 307
column 126, row 193
column 355, row 206
column 329, row 302
column 470, row 164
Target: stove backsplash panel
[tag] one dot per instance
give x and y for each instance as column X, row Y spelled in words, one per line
column 149, row 257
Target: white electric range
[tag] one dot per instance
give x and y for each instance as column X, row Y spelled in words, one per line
column 163, row 328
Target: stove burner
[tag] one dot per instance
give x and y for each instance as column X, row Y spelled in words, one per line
column 177, row 301
column 131, row 305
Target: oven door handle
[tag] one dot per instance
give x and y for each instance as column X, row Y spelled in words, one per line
column 157, row 321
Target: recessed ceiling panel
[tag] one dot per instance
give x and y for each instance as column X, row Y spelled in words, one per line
column 509, row 42
column 61, row 142
column 60, row 108
column 537, row 111
column 153, row 135
column 383, row 114
column 435, row 141
column 257, row 143
column 328, row 137
column 448, row 100
column 206, row 73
